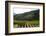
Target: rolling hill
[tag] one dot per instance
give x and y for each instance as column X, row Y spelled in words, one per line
column 31, row 15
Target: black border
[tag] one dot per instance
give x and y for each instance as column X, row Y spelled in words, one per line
column 6, row 17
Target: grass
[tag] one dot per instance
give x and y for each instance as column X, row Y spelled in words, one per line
column 33, row 23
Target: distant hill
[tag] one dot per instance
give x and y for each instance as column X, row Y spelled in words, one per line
column 31, row 15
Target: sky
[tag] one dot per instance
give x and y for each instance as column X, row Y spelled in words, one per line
column 22, row 10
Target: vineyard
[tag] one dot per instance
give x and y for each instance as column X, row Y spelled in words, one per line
column 28, row 19
column 23, row 24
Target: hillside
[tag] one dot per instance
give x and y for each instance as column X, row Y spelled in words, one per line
column 31, row 15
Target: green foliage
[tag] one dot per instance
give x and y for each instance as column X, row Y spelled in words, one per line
column 32, row 15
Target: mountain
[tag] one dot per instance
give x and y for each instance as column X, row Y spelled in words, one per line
column 31, row 15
